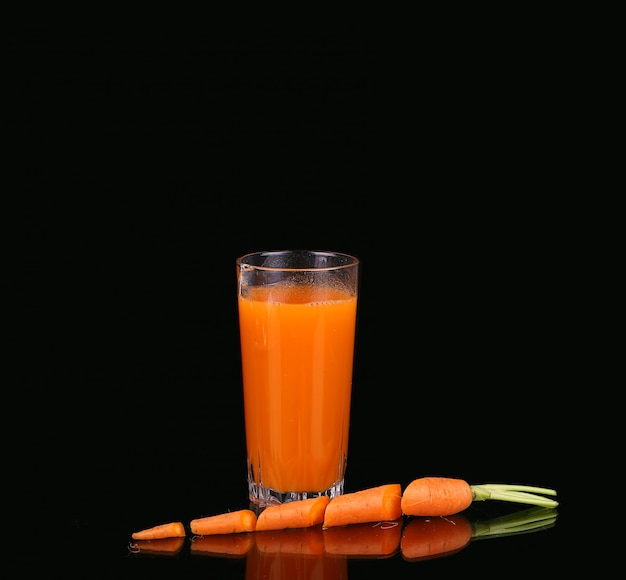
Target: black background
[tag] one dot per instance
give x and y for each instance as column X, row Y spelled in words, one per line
column 148, row 163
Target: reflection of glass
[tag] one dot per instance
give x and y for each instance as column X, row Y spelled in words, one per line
column 425, row 538
column 297, row 554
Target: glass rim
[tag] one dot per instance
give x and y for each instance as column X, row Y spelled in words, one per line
column 350, row 260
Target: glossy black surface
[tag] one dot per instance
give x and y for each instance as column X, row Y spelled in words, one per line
column 152, row 165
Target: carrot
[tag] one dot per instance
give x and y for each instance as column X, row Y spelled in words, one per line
column 425, row 538
column 374, row 504
column 301, row 513
column 161, row 547
column 169, row 530
column 436, row 496
column 376, row 540
column 444, row 496
column 225, row 523
column 225, row 545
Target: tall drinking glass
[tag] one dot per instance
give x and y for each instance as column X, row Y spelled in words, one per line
column 297, row 322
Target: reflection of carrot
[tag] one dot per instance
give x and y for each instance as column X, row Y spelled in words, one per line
column 304, row 541
column 425, row 538
column 429, row 537
column 226, row 545
column 374, row 504
column 225, row 523
column 444, row 496
column 169, row 530
column 161, row 547
column 301, row 513
column 380, row 539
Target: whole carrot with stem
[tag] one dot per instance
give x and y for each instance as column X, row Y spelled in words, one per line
column 445, row 496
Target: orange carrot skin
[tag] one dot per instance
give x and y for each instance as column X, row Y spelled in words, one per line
column 226, row 523
column 169, row 530
column 436, row 496
column 426, row 538
column 375, row 504
column 302, row 513
column 161, row 547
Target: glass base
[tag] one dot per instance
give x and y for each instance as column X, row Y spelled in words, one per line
column 261, row 496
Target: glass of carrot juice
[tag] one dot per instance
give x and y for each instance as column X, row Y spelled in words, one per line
column 297, row 324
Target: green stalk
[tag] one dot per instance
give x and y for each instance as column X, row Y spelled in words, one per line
column 515, row 493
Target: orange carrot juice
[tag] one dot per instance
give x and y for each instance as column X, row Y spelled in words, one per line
column 297, row 348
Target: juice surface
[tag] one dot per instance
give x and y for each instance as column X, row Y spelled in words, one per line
column 297, row 346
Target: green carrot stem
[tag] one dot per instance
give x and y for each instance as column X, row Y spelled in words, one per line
column 513, row 487
column 514, row 493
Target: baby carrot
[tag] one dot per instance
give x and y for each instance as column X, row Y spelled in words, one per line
column 444, row 496
column 426, row 538
column 301, row 513
column 169, row 530
column 225, row 523
column 374, row 504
